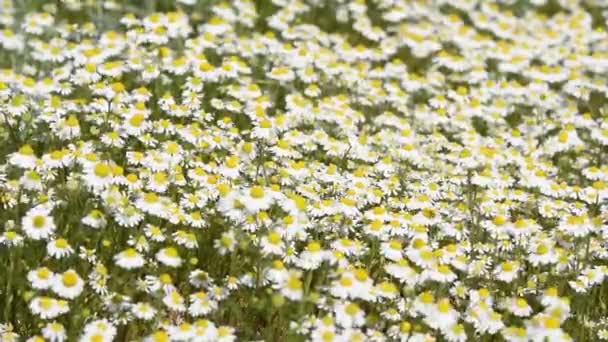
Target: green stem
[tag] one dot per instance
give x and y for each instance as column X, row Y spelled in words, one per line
column 9, row 287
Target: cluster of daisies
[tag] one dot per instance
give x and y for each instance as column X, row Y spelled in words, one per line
column 287, row 170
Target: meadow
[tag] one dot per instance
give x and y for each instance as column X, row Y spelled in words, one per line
column 303, row 170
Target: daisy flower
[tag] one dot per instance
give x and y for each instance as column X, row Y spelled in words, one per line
column 38, row 224
column 68, row 285
column 169, row 256
column 129, row 259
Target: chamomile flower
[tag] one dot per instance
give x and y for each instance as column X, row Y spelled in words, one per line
column 201, row 304
column 54, row 332
column 272, row 244
column 129, row 259
column 68, row 285
column 99, row 175
column 48, row 307
column 519, row 307
column 174, row 301
column 349, row 314
column 24, row 158
column 312, row 256
column 293, row 287
column 100, row 329
column 257, row 199
column 38, row 224
column 59, row 248
column 169, row 256
column 41, row 278
column 143, row 311
column 193, row 158
column 226, row 243
column 507, row 271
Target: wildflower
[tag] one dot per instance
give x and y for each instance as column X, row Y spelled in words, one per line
column 201, row 304
column 24, row 158
column 94, row 219
column 293, row 287
column 174, row 301
column 11, row 238
column 349, row 315
column 129, row 259
column 226, row 243
column 100, row 329
column 59, row 248
column 169, row 256
column 47, row 307
column 41, row 278
column 68, row 285
column 256, row 199
column 312, row 256
column 519, row 307
column 55, row 332
column 38, row 224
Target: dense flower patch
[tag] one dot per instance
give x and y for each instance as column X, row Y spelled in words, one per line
column 288, row 170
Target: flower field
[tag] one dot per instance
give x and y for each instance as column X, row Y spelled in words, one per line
column 303, row 170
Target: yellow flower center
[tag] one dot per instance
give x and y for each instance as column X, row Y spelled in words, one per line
column 552, row 323
column 72, row 121
column 419, row 243
column 39, row 221
column 46, row 303
column 232, row 162
column 314, row 246
column 160, row 177
column 427, row 298
column 171, row 252
column 257, row 192
column 576, row 220
column 26, row 150
column 542, row 249
column 346, row 281
column 394, row 244
column 161, row 336
column 444, row 306
column 376, row 225
column 137, row 119
column 521, row 303
column 328, row 336
column 130, row 253
column 266, row 123
column 97, row 338
column 521, row 223
column 352, row 309
column 294, row 283
column 70, row 279
column 165, row 279
column 444, row 269
column 458, row 329
column 44, row 273
column 500, row 220
column 61, row 243
column 150, row 197
column 274, row 238
column 361, row 274
column 427, row 255
column 102, row 170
